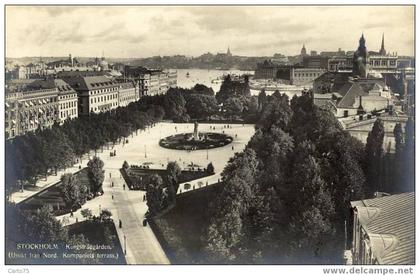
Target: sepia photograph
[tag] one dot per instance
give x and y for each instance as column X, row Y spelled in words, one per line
column 210, row 135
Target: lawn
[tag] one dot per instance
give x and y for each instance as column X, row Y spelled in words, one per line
column 52, row 196
column 135, row 176
column 182, row 230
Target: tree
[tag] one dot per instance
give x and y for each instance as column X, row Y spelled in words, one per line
column 105, row 215
column 210, row 168
column 262, row 100
column 174, row 172
column 44, row 227
column 277, row 112
column 201, row 106
column 73, row 191
column 86, row 213
column 233, row 107
column 125, row 165
column 174, row 104
column 374, row 155
column 96, row 173
column 409, row 157
column 224, row 235
column 154, row 194
column 312, row 212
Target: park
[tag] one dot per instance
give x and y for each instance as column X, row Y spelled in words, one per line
column 142, row 149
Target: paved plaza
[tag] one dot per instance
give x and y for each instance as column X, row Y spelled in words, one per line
column 141, row 245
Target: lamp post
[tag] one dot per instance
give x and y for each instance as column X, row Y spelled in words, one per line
column 207, row 153
column 145, row 152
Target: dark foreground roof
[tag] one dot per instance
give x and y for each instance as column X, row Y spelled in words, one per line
column 389, row 221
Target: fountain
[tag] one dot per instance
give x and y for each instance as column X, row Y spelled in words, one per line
column 195, row 141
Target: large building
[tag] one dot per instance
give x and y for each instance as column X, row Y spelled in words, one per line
column 292, row 75
column 128, row 91
column 33, row 108
column 384, row 230
column 95, row 93
column 66, row 97
column 151, row 82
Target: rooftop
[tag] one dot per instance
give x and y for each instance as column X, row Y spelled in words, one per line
column 389, row 221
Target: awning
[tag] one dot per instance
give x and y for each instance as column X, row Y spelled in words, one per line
column 7, row 105
column 41, row 111
column 36, row 120
column 31, row 121
column 26, row 104
column 39, row 101
column 44, row 101
column 14, row 121
column 30, row 103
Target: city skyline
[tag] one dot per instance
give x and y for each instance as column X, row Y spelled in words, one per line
column 144, row 31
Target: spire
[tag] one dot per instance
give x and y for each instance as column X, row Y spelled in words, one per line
column 228, row 51
column 303, row 51
column 382, row 50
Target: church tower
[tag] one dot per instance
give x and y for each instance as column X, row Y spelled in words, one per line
column 360, row 59
column 228, row 52
column 382, row 50
column 303, row 51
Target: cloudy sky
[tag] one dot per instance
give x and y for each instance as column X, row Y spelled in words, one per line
column 140, row 31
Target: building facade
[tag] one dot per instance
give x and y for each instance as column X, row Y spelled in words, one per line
column 304, row 76
column 151, row 82
column 38, row 109
column 95, row 93
column 128, row 92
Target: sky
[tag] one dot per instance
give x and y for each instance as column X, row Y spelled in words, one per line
column 143, row 31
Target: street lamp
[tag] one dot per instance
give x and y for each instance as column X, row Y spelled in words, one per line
column 145, row 152
column 207, row 153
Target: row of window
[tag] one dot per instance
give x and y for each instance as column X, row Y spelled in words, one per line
column 66, row 113
column 128, row 98
column 307, row 74
column 94, row 109
column 95, row 92
column 66, row 105
column 103, row 98
column 382, row 62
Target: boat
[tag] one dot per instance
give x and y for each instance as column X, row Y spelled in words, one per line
column 188, row 74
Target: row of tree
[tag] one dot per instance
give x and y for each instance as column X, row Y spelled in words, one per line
column 45, row 151
column 387, row 172
column 232, row 102
column 286, row 198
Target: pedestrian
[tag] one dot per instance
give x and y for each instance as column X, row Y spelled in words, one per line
column 144, row 197
column 120, row 224
column 77, row 220
column 109, row 174
column 112, row 184
column 123, row 186
column 80, row 167
column 112, row 196
column 232, row 148
column 71, row 213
